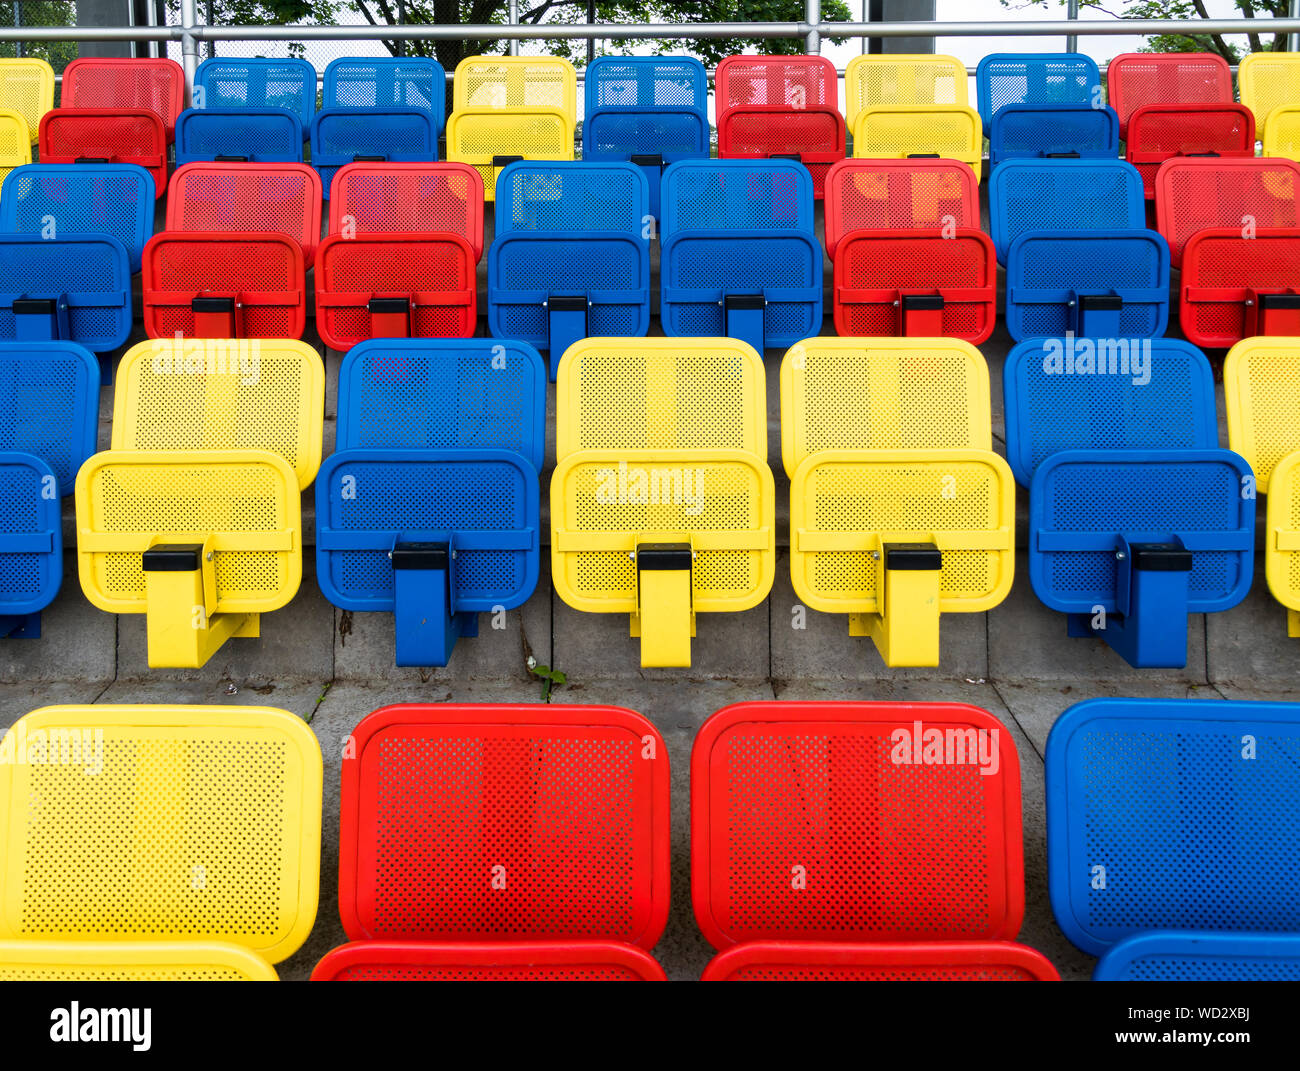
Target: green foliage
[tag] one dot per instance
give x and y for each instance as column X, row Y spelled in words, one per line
column 58, row 54
column 550, row 678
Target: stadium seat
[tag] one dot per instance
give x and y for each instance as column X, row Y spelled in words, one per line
column 193, row 516
column 1234, row 287
column 374, row 82
column 250, row 85
column 739, row 254
column 27, row 87
column 1067, row 131
column 370, row 198
column 571, row 254
column 649, row 110
column 106, row 136
column 490, row 961
column 1244, row 196
column 239, row 135
column 498, row 82
column 126, row 84
column 1139, row 79
column 15, row 144
column 899, row 509
column 1267, row 81
column 491, row 138
column 1100, row 284
column 918, row 131
column 116, row 199
column 1004, row 78
column 345, row 135
column 858, row 840
column 284, row 198
column 429, row 508
column 882, row 961
column 793, row 82
column 1283, row 135
column 874, row 80
column 49, row 410
column 1201, row 956
column 564, row 870
column 1160, row 132
column 1054, row 195
column 171, row 842
column 1146, row 799
column 223, row 284
column 662, row 503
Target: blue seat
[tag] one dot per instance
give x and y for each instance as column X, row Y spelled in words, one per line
column 1035, row 78
column 49, row 411
column 1128, row 542
column 116, row 199
column 1159, row 396
column 1037, row 131
column 248, row 84
column 1103, row 284
column 238, row 135
column 1063, row 195
column 739, row 254
column 387, row 82
column 571, row 256
column 430, row 508
column 649, row 110
column 387, row 134
column 1173, row 814
column 1201, row 956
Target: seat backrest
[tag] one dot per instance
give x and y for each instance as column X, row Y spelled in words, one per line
column 898, row 195
column 1070, row 195
column 127, row 961
column 1136, row 79
column 27, row 87
column 619, row 133
column 162, row 823
column 1201, row 956
column 660, row 394
column 1267, row 80
column 443, row 394
column 15, row 144
column 494, row 822
column 516, row 82
column 902, row 79
column 386, row 198
column 488, row 961
column 489, row 138
column 814, row 135
column 1157, row 132
column 82, row 136
column 285, row 198
column 1081, row 394
column 843, row 961
column 1044, row 130
column 1082, row 502
column 1246, row 194
column 736, row 195
column 826, row 822
column 795, row 82
column 949, row 131
column 262, row 135
column 883, row 394
column 223, row 394
column 1282, row 135
column 1004, row 78
column 1225, row 276
column 49, row 404
column 1145, row 797
column 645, row 83
column 387, row 82
column 342, row 136
column 91, row 272
column 1261, row 390
column 156, row 84
column 31, row 538
column 240, row 82
column 571, row 196
column 116, row 199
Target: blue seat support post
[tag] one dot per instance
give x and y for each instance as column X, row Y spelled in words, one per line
column 427, row 624
column 1097, row 315
column 566, row 324
column 743, row 318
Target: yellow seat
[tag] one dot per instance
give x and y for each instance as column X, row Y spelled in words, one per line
column 1282, row 539
column 516, row 82
column 27, row 87
column 899, row 131
column 662, row 502
column 143, row 961
column 1268, row 80
column 1281, row 135
column 122, row 825
column 903, row 79
column 15, row 142
column 490, row 138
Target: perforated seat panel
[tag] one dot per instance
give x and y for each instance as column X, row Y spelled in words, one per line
column 834, row 961
column 1261, row 390
column 1160, row 793
column 1201, row 956
column 1223, row 273
column 1281, row 545
column 1268, row 80
column 155, row 84
column 199, row 824
column 49, row 404
column 498, row 82
column 342, row 136
column 1159, row 132
column 136, row 961
column 1137, row 79
column 27, row 87
column 805, row 826
column 488, row 137
column 1282, row 135
column 788, row 81
column 15, row 145
column 902, row 79
column 1036, row 78
column 576, row 196
column 387, row 82
column 1045, row 130
column 242, row 83
column 736, row 195
column 815, row 135
column 69, row 135
column 31, row 534
column 899, row 131
column 254, row 135
column 646, row 82
column 500, row 823
column 463, row 961
column 404, row 198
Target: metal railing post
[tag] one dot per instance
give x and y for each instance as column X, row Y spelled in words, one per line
column 189, row 44
column 1072, row 13
column 514, row 21
column 1293, row 39
column 813, row 16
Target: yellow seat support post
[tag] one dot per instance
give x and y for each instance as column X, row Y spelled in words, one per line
column 184, row 627
column 664, row 618
column 906, row 630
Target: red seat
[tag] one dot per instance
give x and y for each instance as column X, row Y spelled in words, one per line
column 1159, row 132
column 814, row 136
column 111, row 135
column 946, row 961
column 516, row 961
column 1235, row 287
column 1137, row 79
column 126, row 84
column 786, row 81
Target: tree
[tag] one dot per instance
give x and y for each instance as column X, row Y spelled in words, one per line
column 58, row 54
